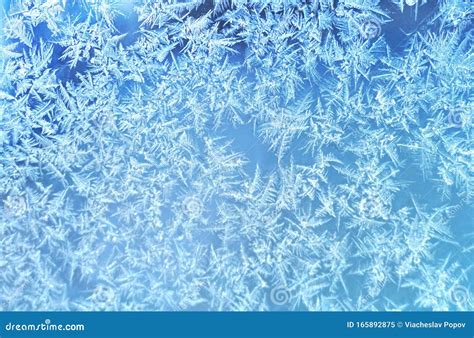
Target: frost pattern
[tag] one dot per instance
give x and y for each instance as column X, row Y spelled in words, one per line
column 236, row 155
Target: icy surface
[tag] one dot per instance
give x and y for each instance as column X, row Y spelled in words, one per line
column 236, row 155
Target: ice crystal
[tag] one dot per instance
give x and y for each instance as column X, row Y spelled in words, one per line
column 236, row 155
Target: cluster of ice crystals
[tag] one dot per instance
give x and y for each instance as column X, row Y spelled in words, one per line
column 236, row 155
